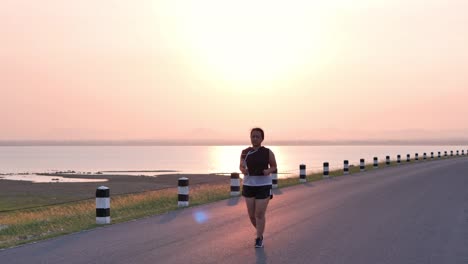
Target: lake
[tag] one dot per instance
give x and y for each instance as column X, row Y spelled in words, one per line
column 191, row 159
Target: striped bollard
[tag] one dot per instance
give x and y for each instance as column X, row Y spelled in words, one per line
column 183, row 189
column 398, row 159
column 438, row 154
column 274, row 179
column 235, row 184
column 457, row 152
column 302, row 171
column 424, row 156
column 432, row 155
column 408, row 158
column 387, row 160
column 451, row 153
column 362, row 165
column 326, row 170
column 445, row 154
column 345, row 167
column 103, row 205
column 416, row 157
column 376, row 162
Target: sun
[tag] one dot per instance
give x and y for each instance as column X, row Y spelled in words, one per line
column 249, row 41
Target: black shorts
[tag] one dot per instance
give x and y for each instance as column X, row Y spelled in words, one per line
column 259, row 192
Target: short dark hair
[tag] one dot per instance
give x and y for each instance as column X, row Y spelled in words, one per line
column 259, row 130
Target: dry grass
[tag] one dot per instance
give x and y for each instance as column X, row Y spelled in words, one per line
column 31, row 225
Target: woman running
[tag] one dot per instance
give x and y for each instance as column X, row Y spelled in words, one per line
column 257, row 163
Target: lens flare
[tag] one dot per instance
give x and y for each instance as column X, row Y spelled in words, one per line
column 200, row 217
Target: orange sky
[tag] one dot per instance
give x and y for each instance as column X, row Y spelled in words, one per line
column 205, row 69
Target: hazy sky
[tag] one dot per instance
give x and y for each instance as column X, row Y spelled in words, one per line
column 211, row 69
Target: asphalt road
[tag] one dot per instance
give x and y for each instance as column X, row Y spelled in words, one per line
column 414, row 213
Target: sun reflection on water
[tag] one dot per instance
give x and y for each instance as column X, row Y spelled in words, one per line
column 225, row 159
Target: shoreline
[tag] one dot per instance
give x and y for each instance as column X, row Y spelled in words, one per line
column 16, row 194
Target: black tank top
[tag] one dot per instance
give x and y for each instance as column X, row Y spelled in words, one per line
column 257, row 160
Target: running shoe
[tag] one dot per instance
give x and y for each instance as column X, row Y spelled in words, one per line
column 259, row 242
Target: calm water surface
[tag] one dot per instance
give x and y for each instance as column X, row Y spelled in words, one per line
column 192, row 159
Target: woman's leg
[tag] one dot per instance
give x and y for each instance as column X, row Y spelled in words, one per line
column 250, row 202
column 260, row 210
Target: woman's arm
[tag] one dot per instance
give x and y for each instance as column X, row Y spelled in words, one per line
column 242, row 167
column 272, row 161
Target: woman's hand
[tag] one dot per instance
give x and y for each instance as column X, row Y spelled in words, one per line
column 244, row 170
column 266, row 172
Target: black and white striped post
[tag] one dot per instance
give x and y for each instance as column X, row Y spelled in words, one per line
column 457, row 152
column 424, row 156
column 408, row 158
column 416, row 157
column 432, row 155
column 103, row 205
column 345, row 167
column 398, row 159
column 235, row 184
column 326, row 170
column 445, row 153
column 302, row 173
column 362, row 165
column 438, row 154
column 387, row 160
column 274, row 179
column 451, row 153
column 376, row 162
column 183, row 189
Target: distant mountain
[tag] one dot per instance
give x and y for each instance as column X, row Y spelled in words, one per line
column 227, row 142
